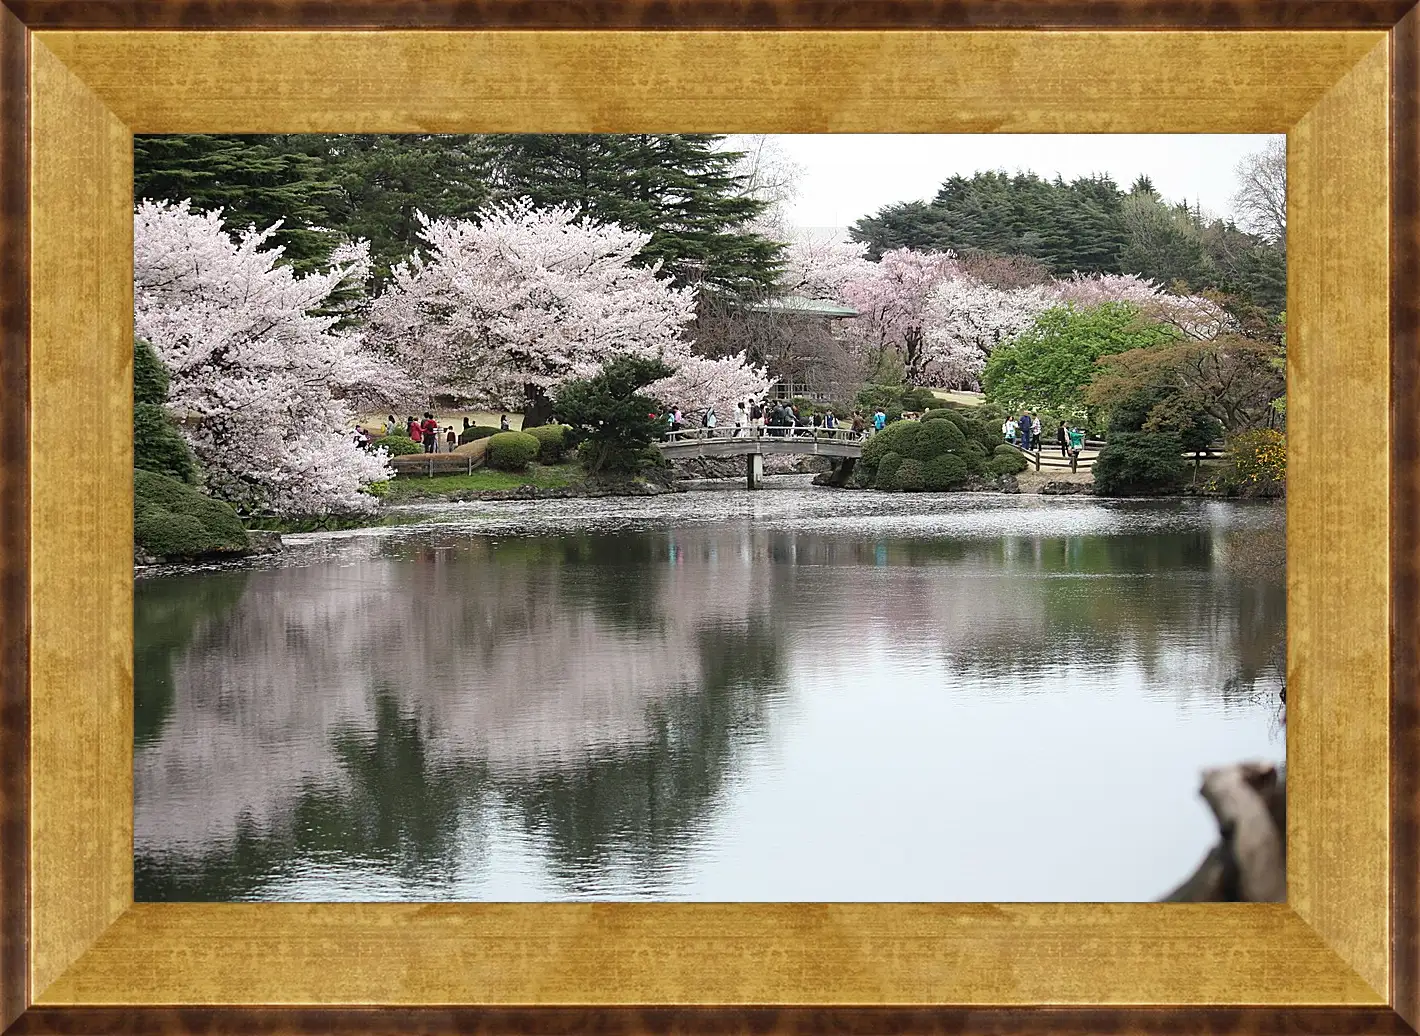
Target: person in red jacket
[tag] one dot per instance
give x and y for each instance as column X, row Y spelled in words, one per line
column 412, row 430
column 430, row 428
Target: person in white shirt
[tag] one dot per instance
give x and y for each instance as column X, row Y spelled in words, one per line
column 739, row 419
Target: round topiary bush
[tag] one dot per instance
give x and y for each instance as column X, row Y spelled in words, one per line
column 934, row 438
column 943, row 473
column 895, row 438
column 1005, row 449
column 552, row 442
column 887, row 471
column 173, row 520
column 1012, row 463
column 1139, row 464
column 983, row 432
column 398, row 445
column 909, row 475
column 475, row 432
column 938, row 414
column 511, row 451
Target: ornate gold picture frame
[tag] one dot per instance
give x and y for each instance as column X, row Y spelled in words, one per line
column 79, row 78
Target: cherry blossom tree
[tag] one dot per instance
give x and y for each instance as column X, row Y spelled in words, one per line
column 1195, row 315
column 966, row 320
column 701, row 384
column 261, row 380
column 818, row 266
column 893, row 300
column 503, row 310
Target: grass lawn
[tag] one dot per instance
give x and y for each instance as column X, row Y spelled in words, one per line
column 544, row 476
column 967, row 398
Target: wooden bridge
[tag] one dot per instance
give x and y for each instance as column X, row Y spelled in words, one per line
column 754, row 444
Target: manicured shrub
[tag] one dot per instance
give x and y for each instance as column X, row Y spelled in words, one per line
column 919, row 399
column 173, row 520
column 934, row 438
column 1005, row 449
column 475, row 432
column 896, row 438
column 511, row 451
column 939, row 414
column 1004, row 465
column 397, row 445
column 887, row 471
column 1139, row 464
column 942, row 473
column 552, row 442
column 985, row 432
column 909, row 475
column 157, row 444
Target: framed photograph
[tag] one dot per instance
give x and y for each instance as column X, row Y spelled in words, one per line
column 513, row 860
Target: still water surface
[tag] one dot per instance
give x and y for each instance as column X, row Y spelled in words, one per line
column 796, row 694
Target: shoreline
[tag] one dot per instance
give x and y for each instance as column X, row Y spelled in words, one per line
column 267, row 542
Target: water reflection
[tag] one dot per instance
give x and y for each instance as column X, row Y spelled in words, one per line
column 705, row 698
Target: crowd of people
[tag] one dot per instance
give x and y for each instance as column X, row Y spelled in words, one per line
column 1024, row 431
column 753, row 418
column 425, row 432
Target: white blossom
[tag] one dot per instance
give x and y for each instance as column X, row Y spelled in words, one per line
column 262, row 382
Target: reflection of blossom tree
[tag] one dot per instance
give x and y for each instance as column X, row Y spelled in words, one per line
column 599, row 687
column 637, row 807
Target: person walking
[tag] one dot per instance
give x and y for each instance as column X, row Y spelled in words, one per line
column 710, row 422
column 411, row 429
column 430, row 428
column 740, row 418
column 879, row 420
column 1063, row 439
column 756, row 418
column 1077, row 443
column 451, row 438
column 1035, row 429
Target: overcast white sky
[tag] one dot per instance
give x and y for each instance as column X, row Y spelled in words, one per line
column 847, row 176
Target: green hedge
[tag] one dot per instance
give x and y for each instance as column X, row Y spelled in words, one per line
column 936, row 454
column 475, row 432
column 1012, row 463
column 910, row 476
column 398, row 445
column 886, row 477
column 552, row 442
column 173, row 520
column 157, row 444
column 1139, row 464
column 945, row 472
column 934, row 438
column 511, row 451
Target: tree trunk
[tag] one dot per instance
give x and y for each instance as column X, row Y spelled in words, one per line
column 538, row 408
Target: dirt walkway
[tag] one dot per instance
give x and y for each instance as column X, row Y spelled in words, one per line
column 1031, row 480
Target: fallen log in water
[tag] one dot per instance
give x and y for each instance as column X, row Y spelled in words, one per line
column 1249, row 863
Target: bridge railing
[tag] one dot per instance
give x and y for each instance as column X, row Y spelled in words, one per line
column 729, row 433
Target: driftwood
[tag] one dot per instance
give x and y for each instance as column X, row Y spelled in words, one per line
column 1249, row 863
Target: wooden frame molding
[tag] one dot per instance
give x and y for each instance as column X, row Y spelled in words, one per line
column 78, row 955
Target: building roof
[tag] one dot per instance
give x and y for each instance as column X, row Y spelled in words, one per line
column 805, row 305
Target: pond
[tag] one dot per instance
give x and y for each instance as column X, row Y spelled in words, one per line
column 794, row 694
